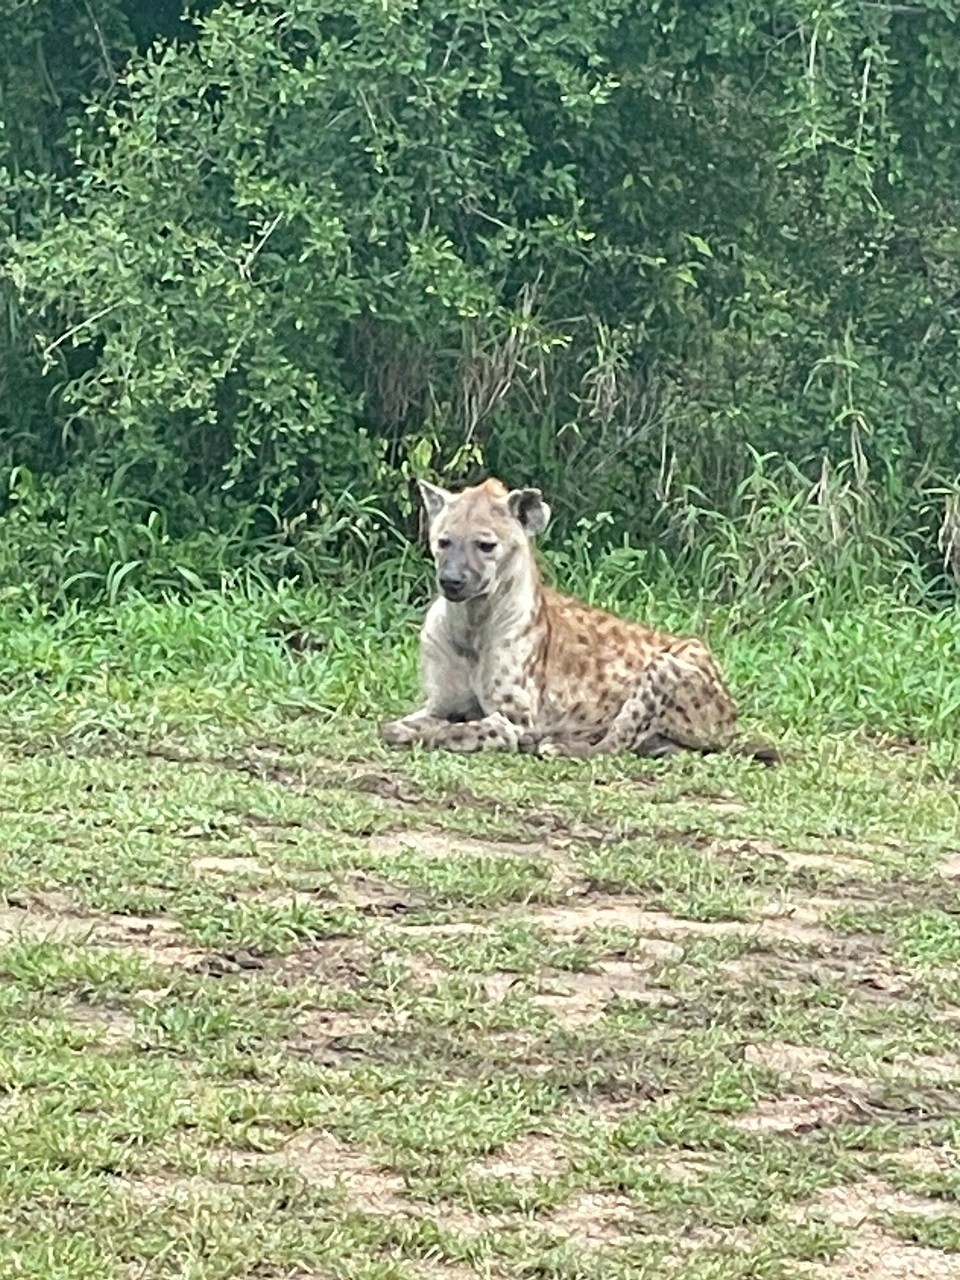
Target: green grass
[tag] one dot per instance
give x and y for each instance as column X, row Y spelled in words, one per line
column 275, row 1002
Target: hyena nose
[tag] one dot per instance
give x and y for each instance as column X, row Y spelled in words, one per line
column 452, row 584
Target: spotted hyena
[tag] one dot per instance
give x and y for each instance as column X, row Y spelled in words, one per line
column 508, row 664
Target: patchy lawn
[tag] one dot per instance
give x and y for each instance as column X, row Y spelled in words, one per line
column 279, row 1004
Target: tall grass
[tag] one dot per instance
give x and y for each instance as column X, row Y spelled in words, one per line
column 827, row 538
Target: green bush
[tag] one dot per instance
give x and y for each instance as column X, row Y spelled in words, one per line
column 625, row 250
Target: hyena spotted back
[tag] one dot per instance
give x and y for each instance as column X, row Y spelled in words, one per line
column 507, row 664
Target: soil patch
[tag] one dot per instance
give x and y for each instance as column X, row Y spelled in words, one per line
column 444, row 844
column 928, row 1161
column 791, row 1115
column 801, row 1061
column 875, row 981
column 783, row 923
column 875, row 1253
column 843, row 1098
column 722, row 802
column 317, row 774
column 593, row 1219
column 150, row 1188
column 575, row 999
column 856, row 1203
column 533, row 1156
column 935, row 1068
column 112, row 1027
column 325, row 1161
column 35, row 925
column 375, row 897
column 156, row 938
column 685, row 1169
column 792, row 859
column 325, row 1025
column 564, row 871
column 239, row 866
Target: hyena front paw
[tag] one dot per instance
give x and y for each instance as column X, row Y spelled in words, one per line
column 398, row 733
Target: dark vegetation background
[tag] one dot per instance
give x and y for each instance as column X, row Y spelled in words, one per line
column 692, row 268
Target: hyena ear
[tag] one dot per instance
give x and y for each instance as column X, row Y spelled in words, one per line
column 434, row 498
column 528, row 506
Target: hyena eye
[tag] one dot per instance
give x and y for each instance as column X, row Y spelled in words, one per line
column 443, row 543
column 486, row 546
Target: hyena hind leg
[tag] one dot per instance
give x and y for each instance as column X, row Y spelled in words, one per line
column 700, row 715
column 680, row 703
column 570, row 742
column 690, row 704
column 579, row 746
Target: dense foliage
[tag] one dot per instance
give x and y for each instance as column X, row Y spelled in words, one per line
column 696, row 266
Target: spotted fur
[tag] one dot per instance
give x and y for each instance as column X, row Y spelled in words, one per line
column 508, row 664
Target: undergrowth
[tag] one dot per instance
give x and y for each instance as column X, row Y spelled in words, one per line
column 822, row 661
column 825, row 538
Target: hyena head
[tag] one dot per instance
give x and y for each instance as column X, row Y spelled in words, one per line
column 477, row 535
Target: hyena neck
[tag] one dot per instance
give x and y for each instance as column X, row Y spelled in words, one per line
column 505, row 614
